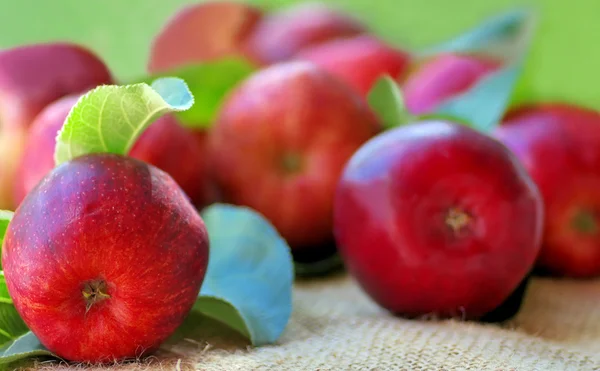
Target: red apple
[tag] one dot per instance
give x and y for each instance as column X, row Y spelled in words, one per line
column 31, row 77
column 281, row 34
column 165, row 144
column 359, row 60
column 204, row 31
column 435, row 218
column 559, row 144
column 279, row 146
column 105, row 258
column 437, row 79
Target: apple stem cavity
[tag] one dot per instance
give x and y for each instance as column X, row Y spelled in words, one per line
column 94, row 292
column 457, row 219
column 585, row 222
column 291, row 163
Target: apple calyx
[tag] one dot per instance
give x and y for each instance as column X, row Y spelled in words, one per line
column 457, row 219
column 585, row 222
column 94, row 292
column 291, row 163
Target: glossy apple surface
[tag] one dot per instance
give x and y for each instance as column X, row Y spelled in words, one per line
column 434, row 218
column 279, row 146
column 105, row 258
column 559, row 144
column 359, row 61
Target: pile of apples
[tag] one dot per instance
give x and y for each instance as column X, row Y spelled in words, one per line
column 432, row 217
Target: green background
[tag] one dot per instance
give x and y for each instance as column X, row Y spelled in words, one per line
column 562, row 64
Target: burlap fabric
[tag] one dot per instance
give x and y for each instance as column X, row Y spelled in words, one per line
column 336, row 327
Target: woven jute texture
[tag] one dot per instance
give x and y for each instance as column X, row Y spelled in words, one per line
column 335, row 326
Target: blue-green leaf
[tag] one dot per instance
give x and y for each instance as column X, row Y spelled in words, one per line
column 22, row 347
column 209, row 82
column 110, row 118
column 507, row 37
column 386, row 101
column 248, row 285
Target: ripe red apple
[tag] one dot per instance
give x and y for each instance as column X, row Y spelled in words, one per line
column 281, row 34
column 437, row 218
column 441, row 77
column 279, row 146
column 165, row 144
column 358, row 60
column 559, row 144
column 105, row 258
column 31, row 77
column 201, row 32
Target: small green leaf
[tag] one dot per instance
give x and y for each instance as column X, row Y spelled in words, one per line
column 23, row 347
column 5, row 218
column 110, row 118
column 386, row 100
column 248, row 285
column 209, row 83
column 507, row 37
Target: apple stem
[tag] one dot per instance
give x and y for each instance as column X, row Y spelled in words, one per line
column 291, row 162
column 585, row 222
column 457, row 219
column 94, row 292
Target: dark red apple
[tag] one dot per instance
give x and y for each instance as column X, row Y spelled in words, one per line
column 559, row 144
column 435, row 218
column 105, row 258
column 439, row 78
column 281, row 34
column 359, row 60
column 165, row 144
column 279, row 146
column 202, row 32
column 31, row 77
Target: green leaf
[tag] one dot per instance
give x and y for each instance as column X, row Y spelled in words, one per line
column 11, row 324
column 506, row 36
column 386, row 100
column 209, row 82
column 248, row 285
column 110, row 118
column 5, row 218
column 21, row 348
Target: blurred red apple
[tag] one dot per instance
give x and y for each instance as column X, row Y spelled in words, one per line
column 559, row 144
column 204, row 31
column 279, row 146
column 165, row 144
column 439, row 78
column 31, row 77
column 105, row 258
column 281, row 34
column 359, row 61
column 435, row 218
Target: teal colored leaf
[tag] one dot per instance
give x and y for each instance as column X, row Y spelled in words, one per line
column 110, row 118
column 506, row 36
column 209, row 83
column 386, row 101
column 21, row 348
column 248, row 285
column 5, row 218
column 11, row 324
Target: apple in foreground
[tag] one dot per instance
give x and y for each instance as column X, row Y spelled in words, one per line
column 105, row 258
column 559, row 144
column 435, row 218
column 165, row 144
column 359, row 60
column 31, row 77
column 283, row 33
column 441, row 77
column 202, row 32
column 279, row 145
